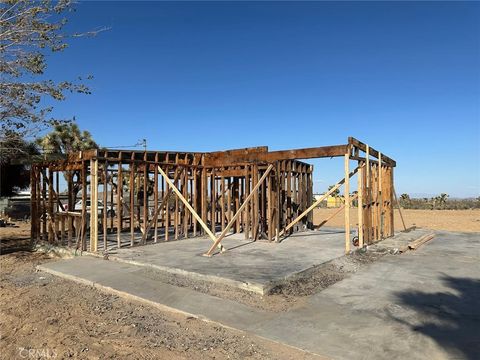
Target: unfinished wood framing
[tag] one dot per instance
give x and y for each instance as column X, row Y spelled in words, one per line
column 152, row 196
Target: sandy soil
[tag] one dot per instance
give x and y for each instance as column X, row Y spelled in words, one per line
column 53, row 316
column 49, row 316
column 14, row 237
column 451, row 220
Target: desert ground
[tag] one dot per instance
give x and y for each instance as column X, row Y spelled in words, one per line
column 45, row 314
column 449, row 220
column 49, row 315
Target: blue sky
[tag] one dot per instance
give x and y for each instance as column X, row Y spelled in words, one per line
column 403, row 77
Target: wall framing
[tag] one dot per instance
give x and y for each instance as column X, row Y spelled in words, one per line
column 151, row 196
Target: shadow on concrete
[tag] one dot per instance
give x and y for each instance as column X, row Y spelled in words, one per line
column 451, row 318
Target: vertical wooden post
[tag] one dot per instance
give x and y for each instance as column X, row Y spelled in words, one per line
column 247, row 209
column 163, row 213
column 269, row 208
column 56, row 208
column 83, row 230
column 278, row 191
column 289, row 191
column 70, row 206
column 119, row 201
column 110, row 227
column 196, row 197
column 380, row 196
column 212, row 200
column 33, row 205
column 392, row 223
column 155, row 199
column 105, row 206
column 167, row 209
column 185, row 195
column 236, row 194
column 240, row 197
column 255, row 218
column 93, row 205
column 347, row 202
column 368, row 201
column 57, row 191
column 44, row 206
column 222, row 202
column 229, row 200
column 373, row 186
column 360, row 204
column 310, row 195
column 38, row 201
column 51, row 218
column 145, row 195
column 132, row 199
column 62, row 228
column 175, row 215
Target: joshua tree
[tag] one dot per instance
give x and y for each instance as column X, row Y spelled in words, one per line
column 405, row 199
column 336, row 193
column 442, row 200
column 64, row 139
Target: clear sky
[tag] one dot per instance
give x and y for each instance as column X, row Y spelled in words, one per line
column 403, row 77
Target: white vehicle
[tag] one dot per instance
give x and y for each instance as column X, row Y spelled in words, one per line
column 110, row 209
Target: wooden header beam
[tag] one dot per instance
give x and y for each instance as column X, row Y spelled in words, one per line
column 362, row 146
column 259, row 154
column 272, row 156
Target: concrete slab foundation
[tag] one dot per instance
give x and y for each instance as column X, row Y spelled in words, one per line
column 253, row 266
column 419, row 305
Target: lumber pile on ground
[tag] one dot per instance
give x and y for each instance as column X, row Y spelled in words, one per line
column 415, row 244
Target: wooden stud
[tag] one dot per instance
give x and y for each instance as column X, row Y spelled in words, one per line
column 93, row 205
column 119, row 211
column 105, row 207
column 132, row 201
column 247, row 209
column 155, row 201
column 347, row 203
column 360, row 191
column 222, row 202
column 83, row 230
column 239, row 210
column 189, row 207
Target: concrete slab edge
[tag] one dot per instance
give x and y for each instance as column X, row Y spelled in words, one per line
column 252, row 287
column 162, row 307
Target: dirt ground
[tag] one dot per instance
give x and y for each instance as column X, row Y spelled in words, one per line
column 450, row 220
column 51, row 316
column 45, row 316
column 15, row 237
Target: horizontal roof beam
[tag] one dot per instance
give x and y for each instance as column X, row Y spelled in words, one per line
column 362, row 146
column 272, row 156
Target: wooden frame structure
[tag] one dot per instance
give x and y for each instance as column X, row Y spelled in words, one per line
column 133, row 197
